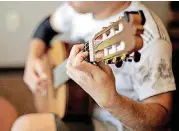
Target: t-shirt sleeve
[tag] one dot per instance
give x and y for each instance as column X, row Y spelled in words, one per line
column 61, row 19
column 153, row 74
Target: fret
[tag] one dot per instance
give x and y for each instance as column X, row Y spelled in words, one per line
column 86, row 49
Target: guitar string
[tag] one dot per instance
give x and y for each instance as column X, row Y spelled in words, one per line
column 86, row 45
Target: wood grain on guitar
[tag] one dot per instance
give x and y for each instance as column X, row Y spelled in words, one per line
column 113, row 44
column 68, row 101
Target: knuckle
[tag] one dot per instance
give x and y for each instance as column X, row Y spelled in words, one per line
column 74, row 47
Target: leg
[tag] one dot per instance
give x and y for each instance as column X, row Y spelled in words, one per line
column 8, row 115
column 47, row 122
column 35, row 122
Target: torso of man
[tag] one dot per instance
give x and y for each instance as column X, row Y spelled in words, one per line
column 137, row 81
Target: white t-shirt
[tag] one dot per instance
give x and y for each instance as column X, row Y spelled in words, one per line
column 152, row 75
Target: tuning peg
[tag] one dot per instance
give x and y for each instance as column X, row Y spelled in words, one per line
column 127, row 55
column 129, row 60
column 118, row 63
column 137, row 56
column 123, row 57
column 114, row 60
column 108, row 61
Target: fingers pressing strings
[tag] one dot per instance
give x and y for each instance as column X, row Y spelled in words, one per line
column 75, row 50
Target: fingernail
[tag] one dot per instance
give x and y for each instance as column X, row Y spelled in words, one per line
column 44, row 76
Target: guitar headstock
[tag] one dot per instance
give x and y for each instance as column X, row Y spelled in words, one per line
column 120, row 41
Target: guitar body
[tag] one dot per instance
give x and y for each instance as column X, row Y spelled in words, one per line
column 70, row 102
column 78, row 103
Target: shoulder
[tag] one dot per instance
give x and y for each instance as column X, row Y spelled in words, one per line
column 155, row 37
column 61, row 19
column 153, row 26
column 65, row 8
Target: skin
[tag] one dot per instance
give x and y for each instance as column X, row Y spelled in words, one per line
column 98, row 81
column 100, row 10
column 8, row 114
column 35, row 75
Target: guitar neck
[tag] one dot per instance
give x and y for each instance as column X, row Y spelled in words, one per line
column 59, row 74
column 112, row 45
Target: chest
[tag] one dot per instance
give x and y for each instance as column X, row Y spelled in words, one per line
column 85, row 27
column 123, row 80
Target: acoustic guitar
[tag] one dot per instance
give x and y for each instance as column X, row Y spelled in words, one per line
column 118, row 43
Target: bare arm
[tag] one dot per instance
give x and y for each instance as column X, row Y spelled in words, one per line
column 35, row 70
column 37, row 48
column 150, row 114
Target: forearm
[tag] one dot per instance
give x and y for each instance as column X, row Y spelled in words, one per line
column 37, row 48
column 139, row 116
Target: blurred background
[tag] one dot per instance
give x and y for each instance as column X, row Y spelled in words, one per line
column 18, row 20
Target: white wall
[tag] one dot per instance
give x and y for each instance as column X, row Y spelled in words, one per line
column 14, row 45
